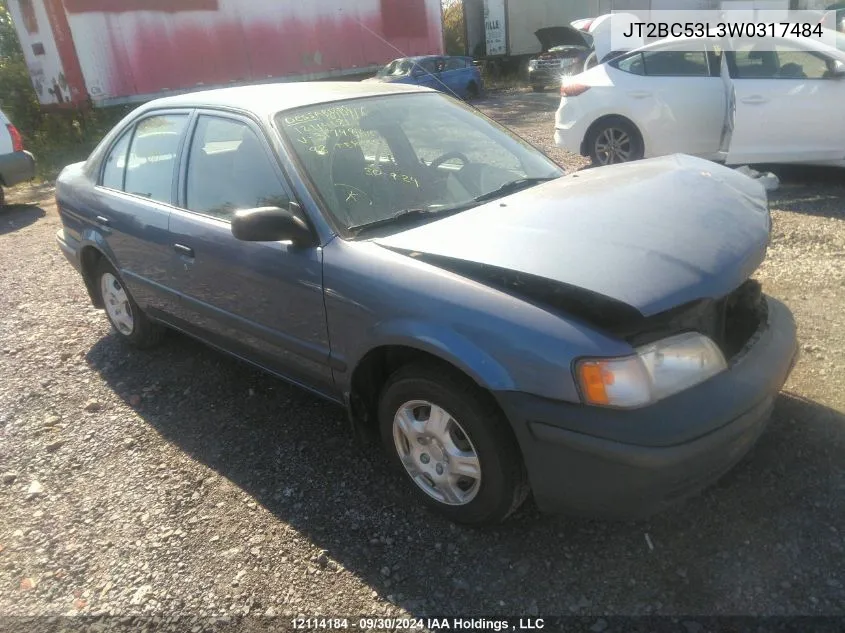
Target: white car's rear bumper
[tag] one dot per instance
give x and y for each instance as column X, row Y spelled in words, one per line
column 570, row 125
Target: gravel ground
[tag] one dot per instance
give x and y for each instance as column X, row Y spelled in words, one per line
column 180, row 482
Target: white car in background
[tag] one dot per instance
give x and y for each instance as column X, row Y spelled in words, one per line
column 16, row 164
column 773, row 101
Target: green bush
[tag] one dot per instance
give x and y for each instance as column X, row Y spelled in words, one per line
column 454, row 33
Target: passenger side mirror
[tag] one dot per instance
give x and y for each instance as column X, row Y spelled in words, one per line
column 272, row 224
column 838, row 71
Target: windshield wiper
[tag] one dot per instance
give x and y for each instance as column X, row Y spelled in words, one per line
column 513, row 186
column 399, row 216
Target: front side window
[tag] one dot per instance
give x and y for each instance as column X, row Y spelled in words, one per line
column 228, row 169
column 779, row 61
column 371, row 159
column 151, row 165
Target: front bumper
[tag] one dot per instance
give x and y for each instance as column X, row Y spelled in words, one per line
column 610, row 463
column 16, row 168
column 543, row 77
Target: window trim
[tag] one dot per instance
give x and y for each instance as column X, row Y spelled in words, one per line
column 131, row 127
column 185, row 160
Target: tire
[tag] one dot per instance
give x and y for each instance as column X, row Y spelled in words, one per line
column 124, row 315
column 472, row 91
column 2, row 198
column 538, row 88
column 475, row 430
column 621, row 138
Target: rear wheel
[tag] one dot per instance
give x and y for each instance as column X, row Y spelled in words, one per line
column 2, row 198
column 452, row 445
column 125, row 316
column 472, row 91
column 614, row 141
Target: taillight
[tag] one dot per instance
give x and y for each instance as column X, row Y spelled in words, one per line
column 17, row 139
column 573, row 90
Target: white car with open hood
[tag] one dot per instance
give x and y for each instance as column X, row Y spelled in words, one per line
column 762, row 101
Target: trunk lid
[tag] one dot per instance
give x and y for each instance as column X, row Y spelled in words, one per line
column 553, row 36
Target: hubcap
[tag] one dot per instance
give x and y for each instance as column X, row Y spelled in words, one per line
column 117, row 304
column 613, row 146
column 436, row 452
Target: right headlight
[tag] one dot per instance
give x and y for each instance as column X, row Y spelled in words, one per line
column 656, row 371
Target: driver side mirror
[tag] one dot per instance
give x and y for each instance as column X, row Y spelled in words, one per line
column 838, row 71
column 272, row 224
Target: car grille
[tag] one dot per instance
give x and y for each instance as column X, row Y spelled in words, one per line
column 548, row 64
column 731, row 322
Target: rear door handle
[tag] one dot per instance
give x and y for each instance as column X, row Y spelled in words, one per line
column 102, row 221
column 754, row 99
column 183, row 250
column 639, row 94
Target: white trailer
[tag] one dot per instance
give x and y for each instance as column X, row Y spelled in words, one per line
column 121, row 51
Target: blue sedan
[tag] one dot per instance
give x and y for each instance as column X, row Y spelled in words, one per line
column 457, row 76
column 594, row 339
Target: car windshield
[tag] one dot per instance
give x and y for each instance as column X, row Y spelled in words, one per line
column 396, row 68
column 376, row 159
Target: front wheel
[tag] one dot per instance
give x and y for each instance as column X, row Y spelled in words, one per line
column 452, row 445
column 538, row 88
column 615, row 141
column 126, row 318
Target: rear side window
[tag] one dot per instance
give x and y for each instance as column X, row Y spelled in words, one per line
column 115, row 163
column 229, row 169
column 666, row 64
column 676, row 64
column 152, row 157
column 455, row 63
column 633, row 64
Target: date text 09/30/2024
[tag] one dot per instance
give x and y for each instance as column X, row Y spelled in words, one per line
column 418, row 624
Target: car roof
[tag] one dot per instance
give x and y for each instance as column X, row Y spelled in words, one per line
column 269, row 99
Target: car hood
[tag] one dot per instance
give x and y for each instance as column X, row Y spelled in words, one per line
column 654, row 234
column 561, row 36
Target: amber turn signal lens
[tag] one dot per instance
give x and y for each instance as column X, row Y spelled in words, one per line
column 594, row 377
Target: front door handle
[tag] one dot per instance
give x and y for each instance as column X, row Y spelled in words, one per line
column 102, row 221
column 639, row 94
column 183, row 250
column 754, row 99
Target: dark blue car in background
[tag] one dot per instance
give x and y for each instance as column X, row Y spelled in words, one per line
column 457, row 76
